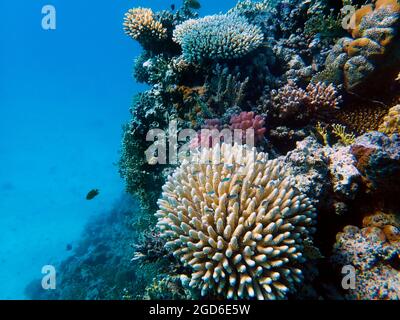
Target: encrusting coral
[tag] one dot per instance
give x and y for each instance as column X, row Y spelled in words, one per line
column 373, row 47
column 238, row 223
column 225, row 36
column 294, row 103
column 372, row 251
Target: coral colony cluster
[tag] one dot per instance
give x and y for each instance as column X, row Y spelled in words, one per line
column 311, row 202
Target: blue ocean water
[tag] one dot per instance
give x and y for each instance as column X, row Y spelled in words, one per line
column 64, row 95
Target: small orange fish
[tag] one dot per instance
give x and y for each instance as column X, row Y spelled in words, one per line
column 92, row 194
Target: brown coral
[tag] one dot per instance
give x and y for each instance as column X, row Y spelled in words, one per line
column 361, row 118
column 391, row 122
column 141, row 25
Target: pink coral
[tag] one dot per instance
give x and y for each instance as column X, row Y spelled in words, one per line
column 248, row 120
column 210, row 124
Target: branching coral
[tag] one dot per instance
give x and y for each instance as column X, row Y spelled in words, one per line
column 238, row 223
column 141, row 25
column 344, row 137
column 248, row 120
column 292, row 102
column 391, row 123
column 225, row 89
column 226, row 36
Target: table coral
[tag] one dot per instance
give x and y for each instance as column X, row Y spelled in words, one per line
column 226, row 36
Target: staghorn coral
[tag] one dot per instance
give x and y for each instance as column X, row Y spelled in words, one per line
column 238, row 223
column 321, row 96
column 294, row 103
column 141, row 25
column 248, row 120
column 217, row 37
column 391, row 122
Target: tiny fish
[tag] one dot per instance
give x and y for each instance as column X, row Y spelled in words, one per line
column 210, row 193
column 69, row 247
column 194, row 4
column 92, row 194
column 209, row 210
column 225, row 179
column 232, row 196
column 172, row 7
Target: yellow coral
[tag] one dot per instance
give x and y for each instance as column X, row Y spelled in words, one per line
column 141, row 25
column 394, row 4
column 344, row 137
column 391, row 123
column 238, row 223
column 323, row 132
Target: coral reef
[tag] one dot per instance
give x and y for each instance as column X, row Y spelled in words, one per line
column 317, row 96
column 361, row 118
column 240, row 231
column 217, row 37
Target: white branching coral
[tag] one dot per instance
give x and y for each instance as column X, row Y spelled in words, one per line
column 225, row 36
column 238, row 223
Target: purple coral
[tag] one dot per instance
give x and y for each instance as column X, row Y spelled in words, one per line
column 293, row 102
column 204, row 134
column 248, row 120
column 322, row 96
